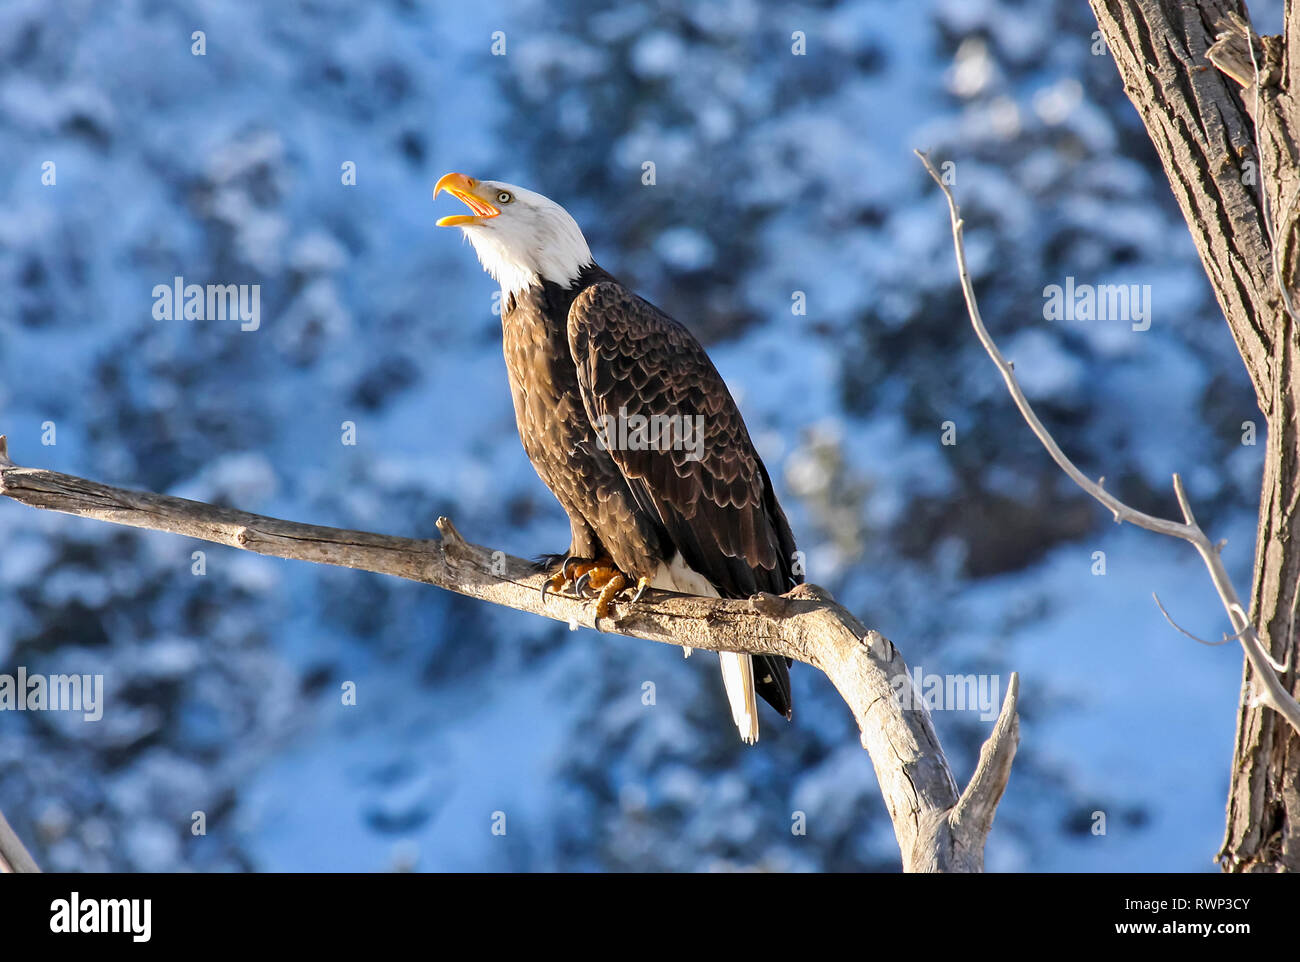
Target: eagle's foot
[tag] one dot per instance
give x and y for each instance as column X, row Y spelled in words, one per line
column 613, row 587
column 593, row 579
column 601, row 580
column 558, row 581
column 577, row 575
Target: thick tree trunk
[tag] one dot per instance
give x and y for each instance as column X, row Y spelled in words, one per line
column 1201, row 123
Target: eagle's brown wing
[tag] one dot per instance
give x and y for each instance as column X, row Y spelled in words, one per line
column 710, row 492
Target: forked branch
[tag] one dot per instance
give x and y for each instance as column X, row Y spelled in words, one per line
column 936, row 829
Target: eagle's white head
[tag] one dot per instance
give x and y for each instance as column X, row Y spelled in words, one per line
column 521, row 237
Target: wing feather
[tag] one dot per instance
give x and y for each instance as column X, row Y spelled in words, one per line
column 710, row 491
column 712, row 495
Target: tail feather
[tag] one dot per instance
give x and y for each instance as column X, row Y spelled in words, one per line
column 772, row 681
column 738, row 671
column 738, row 679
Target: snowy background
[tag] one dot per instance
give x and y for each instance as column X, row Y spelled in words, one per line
column 775, row 173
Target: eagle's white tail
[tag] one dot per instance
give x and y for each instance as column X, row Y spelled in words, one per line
column 737, row 670
column 738, row 678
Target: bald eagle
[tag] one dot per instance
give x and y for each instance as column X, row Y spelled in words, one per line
column 629, row 424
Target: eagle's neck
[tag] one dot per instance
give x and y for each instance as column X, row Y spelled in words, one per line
column 550, row 301
column 558, row 254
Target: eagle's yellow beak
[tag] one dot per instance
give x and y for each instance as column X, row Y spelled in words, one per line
column 463, row 189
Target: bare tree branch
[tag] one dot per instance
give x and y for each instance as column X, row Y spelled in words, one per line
column 806, row 624
column 973, row 814
column 14, row 856
column 1273, row 694
column 1226, row 639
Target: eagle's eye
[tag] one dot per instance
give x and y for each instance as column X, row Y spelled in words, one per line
column 504, row 197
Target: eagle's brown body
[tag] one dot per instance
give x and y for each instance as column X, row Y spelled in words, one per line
column 576, row 353
column 560, row 440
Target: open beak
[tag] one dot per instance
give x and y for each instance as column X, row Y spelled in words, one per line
column 463, row 189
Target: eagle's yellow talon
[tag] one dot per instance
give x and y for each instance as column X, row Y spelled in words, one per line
column 615, row 583
column 554, row 583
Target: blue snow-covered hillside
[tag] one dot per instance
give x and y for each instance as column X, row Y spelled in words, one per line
column 748, row 167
